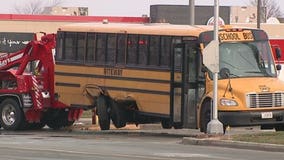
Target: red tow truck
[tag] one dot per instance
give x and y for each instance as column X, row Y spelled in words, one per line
column 278, row 43
column 27, row 96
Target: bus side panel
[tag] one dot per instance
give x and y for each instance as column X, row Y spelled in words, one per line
column 150, row 89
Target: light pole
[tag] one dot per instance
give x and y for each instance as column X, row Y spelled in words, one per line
column 192, row 11
column 215, row 126
column 258, row 13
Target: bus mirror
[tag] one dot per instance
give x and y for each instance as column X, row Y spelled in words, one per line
column 225, row 73
column 278, row 67
column 204, row 69
column 278, row 53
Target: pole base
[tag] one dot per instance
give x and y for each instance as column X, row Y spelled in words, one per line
column 215, row 127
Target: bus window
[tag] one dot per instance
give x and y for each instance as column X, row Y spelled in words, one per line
column 245, row 60
column 166, row 42
column 193, row 64
column 121, row 46
column 111, row 49
column 91, row 44
column 59, row 49
column 154, row 50
column 132, row 44
column 265, row 58
column 178, row 54
column 101, row 48
column 80, row 47
column 70, row 47
column 143, row 50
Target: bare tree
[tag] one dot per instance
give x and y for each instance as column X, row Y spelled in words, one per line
column 36, row 6
column 270, row 8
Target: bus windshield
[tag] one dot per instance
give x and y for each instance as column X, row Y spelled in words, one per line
column 246, row 59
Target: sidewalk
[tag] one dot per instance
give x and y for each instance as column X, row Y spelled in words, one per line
column 189, row 136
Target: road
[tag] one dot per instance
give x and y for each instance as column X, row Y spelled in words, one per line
column 66, row 145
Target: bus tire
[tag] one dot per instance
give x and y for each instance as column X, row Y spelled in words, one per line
column 265, row 127
column 12, row 115
column 166, row 124
column 103, row 114
column 117, row 115
column 279, row 127
column 178, row 126
column 205, row 116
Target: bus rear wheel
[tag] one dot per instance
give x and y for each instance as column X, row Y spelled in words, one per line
column 166, row 123
column 103, row 113
column 178, row 126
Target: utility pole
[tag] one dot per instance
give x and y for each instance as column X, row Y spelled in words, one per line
column 258, row 13
column 215, row 126
column 192, row 12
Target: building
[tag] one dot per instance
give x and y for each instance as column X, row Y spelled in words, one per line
column 243, row 14
column 67, row 11
column 179, row 14
column 51, row 23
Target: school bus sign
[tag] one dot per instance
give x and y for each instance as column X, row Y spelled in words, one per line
column 244, row 35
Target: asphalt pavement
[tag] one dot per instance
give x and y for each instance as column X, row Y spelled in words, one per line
column 189, row 136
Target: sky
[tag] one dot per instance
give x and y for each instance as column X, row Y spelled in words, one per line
column 122, row 7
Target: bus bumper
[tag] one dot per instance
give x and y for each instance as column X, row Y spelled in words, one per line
column 251, row 118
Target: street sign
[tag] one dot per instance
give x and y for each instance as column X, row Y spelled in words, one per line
column 211, row 21
column 211, row 56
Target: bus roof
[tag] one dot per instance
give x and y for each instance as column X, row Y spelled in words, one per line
column 131, row 28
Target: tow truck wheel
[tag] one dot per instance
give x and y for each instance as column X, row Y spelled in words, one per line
column 36, row 126
column 103, row 113
column 12, row 116
column 58, row 119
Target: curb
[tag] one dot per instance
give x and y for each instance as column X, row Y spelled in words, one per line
column 165, row 133
column 189, row 137
column 233, row 144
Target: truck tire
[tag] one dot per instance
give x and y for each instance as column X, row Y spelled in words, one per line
column 117, row 115
column 57, row 119
column 12, row 115
column 36, row 126
column 103, row 113
column 166, row 124
column 178, row 126
column 57, row 124
column 205, row 116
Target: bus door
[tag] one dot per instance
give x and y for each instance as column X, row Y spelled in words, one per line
column 185, row 86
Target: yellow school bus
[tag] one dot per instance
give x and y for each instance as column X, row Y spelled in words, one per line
column 148, row 73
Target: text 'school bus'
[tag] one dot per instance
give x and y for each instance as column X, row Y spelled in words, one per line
column 146, row 73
